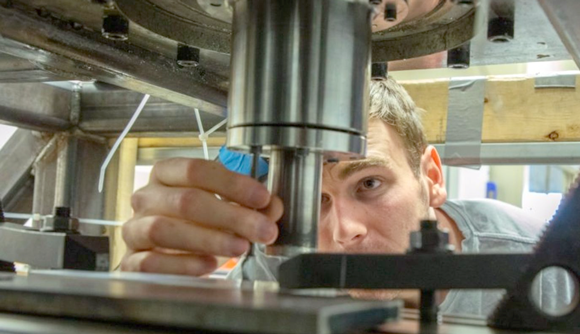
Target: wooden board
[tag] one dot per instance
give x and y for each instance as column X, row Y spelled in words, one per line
column 515, row 111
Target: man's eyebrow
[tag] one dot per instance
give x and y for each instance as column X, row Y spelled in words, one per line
column 359, row 165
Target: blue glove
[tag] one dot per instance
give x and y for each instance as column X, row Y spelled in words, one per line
column 241, row 162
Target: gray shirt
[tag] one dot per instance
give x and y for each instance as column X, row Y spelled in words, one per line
column 488, row 226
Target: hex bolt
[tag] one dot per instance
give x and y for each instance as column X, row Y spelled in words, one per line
column 62, row 211
column 187, row 56
column 429, row 239
column 459, row 57
column 379, row 70
column 391, row 12
column 115, row 26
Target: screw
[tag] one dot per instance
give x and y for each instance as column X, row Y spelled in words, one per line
column 115, row 26
column 187, row 56
column 391, row 12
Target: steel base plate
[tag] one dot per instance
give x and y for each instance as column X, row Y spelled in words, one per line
column 200, row 304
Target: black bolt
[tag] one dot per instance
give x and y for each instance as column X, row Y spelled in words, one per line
column 500, row 30
column 391, row 12
column 428, row 306
column 62, row 211
column 459, row 56
column 375, row 2
column 115, row 27
column 187, row 56
column 379, row 70
column 428, row 225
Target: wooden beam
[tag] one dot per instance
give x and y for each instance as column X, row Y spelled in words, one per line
column 515, row 111
column 180, row 142
column 123, row 211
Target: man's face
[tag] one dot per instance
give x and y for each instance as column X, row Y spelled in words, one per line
column 372, row 205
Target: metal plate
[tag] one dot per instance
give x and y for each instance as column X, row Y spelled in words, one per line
column 535, row 40
column 191, row 303
column 447, row 25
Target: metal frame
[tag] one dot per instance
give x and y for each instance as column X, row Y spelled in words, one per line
column 554, row 153
column 85, row 54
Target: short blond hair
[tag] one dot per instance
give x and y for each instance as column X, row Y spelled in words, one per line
column 390, row 103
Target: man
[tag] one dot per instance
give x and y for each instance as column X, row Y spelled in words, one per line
column 369, row 205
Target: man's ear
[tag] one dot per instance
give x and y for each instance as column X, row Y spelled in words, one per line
column 433, row 173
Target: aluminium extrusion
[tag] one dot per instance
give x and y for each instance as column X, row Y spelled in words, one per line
column 562, row 153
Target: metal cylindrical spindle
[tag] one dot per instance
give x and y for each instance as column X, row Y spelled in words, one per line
column 298, row 89
column 296, row 176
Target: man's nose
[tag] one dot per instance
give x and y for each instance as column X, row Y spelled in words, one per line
column 348, row 229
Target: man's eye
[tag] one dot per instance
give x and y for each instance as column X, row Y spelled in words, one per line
column 370, row 183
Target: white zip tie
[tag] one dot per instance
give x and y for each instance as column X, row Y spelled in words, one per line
column 214, row 129
column 204, row 135
column 16, row 215
column 119, row 140
column 201, row 136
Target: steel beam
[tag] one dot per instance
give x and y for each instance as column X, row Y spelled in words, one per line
column 107, row 112
column 35, row 106
column 85, row 54
column 16, row 159
column 66, row 174
column 14, row 69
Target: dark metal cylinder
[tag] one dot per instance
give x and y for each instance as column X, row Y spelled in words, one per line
column 428, row 307
column 296, row 177
column 459, row 57
column 501, row 21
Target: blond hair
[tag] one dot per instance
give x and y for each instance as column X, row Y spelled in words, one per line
column 390, row 103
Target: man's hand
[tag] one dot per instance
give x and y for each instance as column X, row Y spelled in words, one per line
column 180, row 226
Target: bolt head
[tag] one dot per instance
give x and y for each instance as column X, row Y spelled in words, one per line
column 115, row 27
column 187, row 56
column 429, row 239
